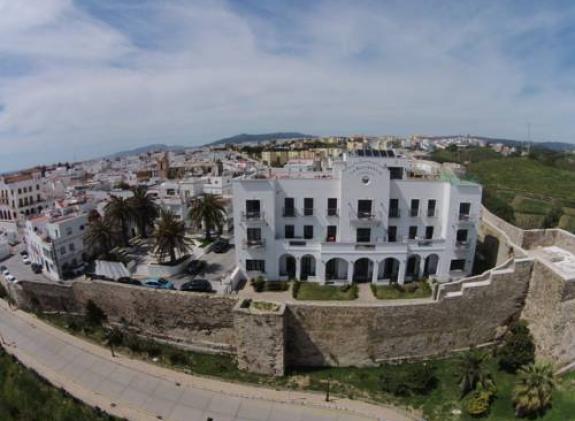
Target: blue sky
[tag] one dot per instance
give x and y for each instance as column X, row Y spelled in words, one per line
column 83, row 78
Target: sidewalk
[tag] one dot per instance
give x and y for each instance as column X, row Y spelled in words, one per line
column 140, row 391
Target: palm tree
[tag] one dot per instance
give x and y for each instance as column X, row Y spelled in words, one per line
column 170, row 236
column 144, row 210
column 533, row 392
column 472, row 371
column 119, row 212
column 100, row 237
column 210, row 211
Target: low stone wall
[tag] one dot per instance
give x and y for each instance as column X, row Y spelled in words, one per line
column 513, row 233
column 49, row 297
column 192, row 318
column 202, row 320
column 260, row 339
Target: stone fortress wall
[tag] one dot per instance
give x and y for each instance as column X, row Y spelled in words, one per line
column 470, row 312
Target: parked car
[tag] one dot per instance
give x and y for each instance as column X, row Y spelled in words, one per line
column 129, row 281
column 197, row 285
column 196, row 266
column 26, row 261
column 221, row 245
column 3, row 268
column 36, row 268
column 11, row 278
column 5, row 272
column 23, row 253
column 159, row 283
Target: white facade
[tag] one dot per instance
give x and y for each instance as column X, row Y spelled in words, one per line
column 366, row 220
column 56, row 242
column 21, row 196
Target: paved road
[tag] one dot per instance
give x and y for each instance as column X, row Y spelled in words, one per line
column 20, row 270
column 140, row 391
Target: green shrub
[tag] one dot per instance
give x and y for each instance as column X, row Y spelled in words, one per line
column 95, row 316
column 3, row 292
column 114, row 337
column 153, row 349
column 478, row 403
column 258, row 284
column 276, row 286
column 295, row 289
column 133, row 343
column 407, row 380
column 518, row 348
column 178, row 358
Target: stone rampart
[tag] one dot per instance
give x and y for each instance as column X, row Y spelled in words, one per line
column 192, row 318
column 260, row 338
column 471, row 312
column 550, row 312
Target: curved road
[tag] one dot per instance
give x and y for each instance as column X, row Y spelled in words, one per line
column 141, row 391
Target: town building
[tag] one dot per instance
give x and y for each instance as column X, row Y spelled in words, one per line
column 21, row 195
column 374, row 217
column 55, row 241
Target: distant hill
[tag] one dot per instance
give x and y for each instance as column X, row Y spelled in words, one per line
column 158, row 147
column 248, row 138
column 553, row 146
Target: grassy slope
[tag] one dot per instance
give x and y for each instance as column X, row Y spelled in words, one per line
column 25, row 396
column 523, row 175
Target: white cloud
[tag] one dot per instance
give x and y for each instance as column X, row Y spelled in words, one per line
column 214, row 71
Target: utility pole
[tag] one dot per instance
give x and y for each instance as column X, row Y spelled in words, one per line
column 528, row 137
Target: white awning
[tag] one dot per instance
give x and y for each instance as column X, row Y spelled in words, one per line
column 111, row 270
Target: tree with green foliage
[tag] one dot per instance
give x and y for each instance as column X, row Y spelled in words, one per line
column 533, row 392
column 95, row 316
column 209, row 211
column 170, row 237
column 472, row 371
column 144, row 210
column 114, row 338
column 518, row 348
column 100, row 238
column 119, row 213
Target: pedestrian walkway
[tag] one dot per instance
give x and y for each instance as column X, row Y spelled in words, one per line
column 140, row 391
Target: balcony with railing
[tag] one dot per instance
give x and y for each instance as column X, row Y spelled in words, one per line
column 431, row 213
column 253, row 216
column 308, row 211
column 394, row 213
column 413, row 213
column 462, row 244
column 365, row 216
column 253, row 243
column 464, row 217
column 332, row 212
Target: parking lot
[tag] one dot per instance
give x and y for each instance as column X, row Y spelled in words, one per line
column 21, row 271
column 218, row 267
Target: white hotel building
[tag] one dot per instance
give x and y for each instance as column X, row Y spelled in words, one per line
column 369, row 219
column 56, row 241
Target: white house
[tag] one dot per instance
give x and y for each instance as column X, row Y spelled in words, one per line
column 370, row 219
column 56, row 241
column 21, row 195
